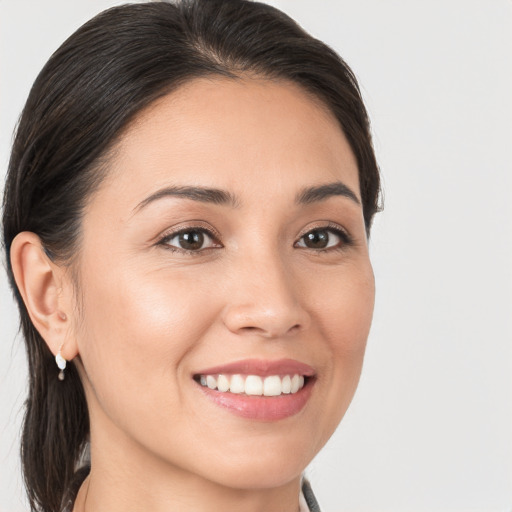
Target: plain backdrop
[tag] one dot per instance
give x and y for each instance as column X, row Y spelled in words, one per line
column 430, row 428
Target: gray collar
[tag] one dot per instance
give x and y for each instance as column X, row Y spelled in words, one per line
column 309, row 496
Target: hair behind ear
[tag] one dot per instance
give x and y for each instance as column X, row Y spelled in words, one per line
column 55, row 428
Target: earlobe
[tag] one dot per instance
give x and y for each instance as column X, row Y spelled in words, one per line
column 40, row 283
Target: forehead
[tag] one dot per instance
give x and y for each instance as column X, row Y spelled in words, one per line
column 241, row 134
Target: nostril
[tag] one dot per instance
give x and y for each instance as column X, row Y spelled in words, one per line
column 260, row 319
column 251, row 329
column 269, row 333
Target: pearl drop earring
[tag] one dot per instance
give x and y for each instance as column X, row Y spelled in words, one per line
column 61, row 363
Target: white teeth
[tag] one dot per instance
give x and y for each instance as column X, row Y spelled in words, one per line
column 237, row 384
column 295, row 384
column 286, row 384
column 272, row 386
column 222, row 383
column 254, row 385
column 211, row 381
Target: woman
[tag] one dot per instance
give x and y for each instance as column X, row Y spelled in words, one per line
column 186, row 214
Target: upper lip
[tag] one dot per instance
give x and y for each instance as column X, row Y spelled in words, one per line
column 261, row 367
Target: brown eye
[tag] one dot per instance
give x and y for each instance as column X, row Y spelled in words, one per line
column 321, row 239
column 190, row 240
column 316, row 239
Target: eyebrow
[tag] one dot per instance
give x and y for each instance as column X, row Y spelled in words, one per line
column 222, row 197
column 321, row 192
column 201, row 194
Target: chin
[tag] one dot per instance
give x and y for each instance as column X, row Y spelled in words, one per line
column 263, row 465
column 259, row 476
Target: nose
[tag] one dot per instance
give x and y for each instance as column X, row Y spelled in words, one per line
column 264, row 299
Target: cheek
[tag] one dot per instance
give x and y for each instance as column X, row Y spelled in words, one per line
column 343, row 312
column 138, row 330
column 345, row 309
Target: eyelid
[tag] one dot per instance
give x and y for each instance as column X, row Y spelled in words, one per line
column 189, row 224
column 333, row 226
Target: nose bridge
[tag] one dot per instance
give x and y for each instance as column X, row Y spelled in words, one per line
column 263, row 298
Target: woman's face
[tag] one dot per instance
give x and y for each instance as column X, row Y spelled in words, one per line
column 227, row 239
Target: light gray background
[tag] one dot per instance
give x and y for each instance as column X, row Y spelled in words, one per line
column 430, row 428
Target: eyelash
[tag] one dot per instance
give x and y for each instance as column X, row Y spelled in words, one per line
column 346, row 239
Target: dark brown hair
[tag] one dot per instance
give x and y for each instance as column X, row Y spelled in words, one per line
column 91, row 88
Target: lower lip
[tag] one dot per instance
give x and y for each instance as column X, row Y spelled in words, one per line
column 264, row 408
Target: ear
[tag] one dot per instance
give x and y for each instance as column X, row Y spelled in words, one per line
column 46, row 291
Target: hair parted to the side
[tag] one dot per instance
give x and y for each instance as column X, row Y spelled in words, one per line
column 91, row 88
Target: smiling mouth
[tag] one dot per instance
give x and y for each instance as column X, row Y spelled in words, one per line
column 253, row 385
column 258, row 389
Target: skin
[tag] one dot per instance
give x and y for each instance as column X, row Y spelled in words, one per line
column 146, row 318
